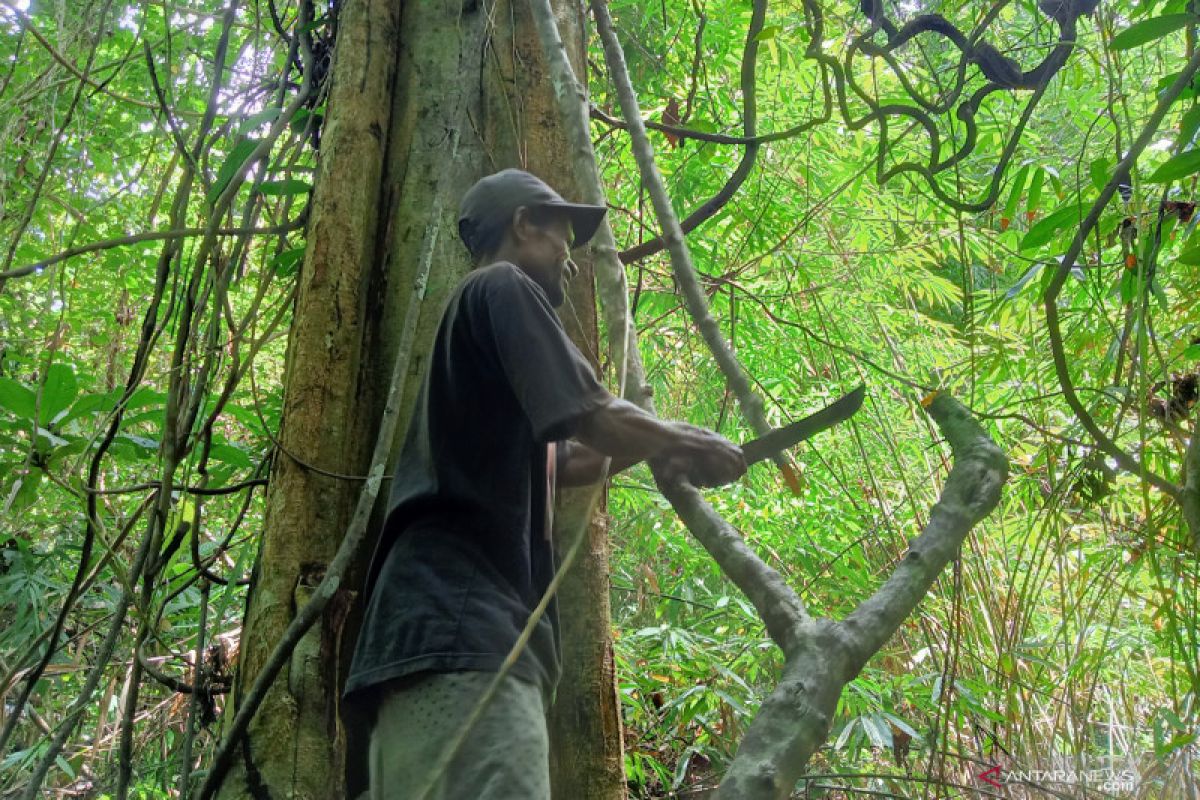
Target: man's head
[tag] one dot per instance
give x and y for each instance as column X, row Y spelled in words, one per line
column 514, row 216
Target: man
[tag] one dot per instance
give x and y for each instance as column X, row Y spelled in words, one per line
column 466, row 553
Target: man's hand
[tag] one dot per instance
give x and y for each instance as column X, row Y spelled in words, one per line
column 674, row 449
column 703, row 457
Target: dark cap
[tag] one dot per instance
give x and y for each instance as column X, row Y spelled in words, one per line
column 488, row 206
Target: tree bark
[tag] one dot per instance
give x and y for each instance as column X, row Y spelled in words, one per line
column 412, row 82
column 295, row 745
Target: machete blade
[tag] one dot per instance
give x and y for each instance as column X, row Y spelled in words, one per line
column 781, row 439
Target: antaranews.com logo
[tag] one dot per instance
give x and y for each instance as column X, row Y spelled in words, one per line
column 1099, row 774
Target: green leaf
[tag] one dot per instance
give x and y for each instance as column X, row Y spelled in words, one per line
column 879, row 732
column 1190, row 257
column 1159, row 295
column 25, row 491
column 1098, row 171
column 1179, row 166
column 1148, row 30
column 1046, row 229
column 1016, row 288
column 316, row 23
column 287, row 262
column 65, row 766
column 1128, row 286
column 144, row 444
column 91, row 404
column 46, row 441
column 844, row 736
column 143, row 397
column 231, row 454
column 58, row 392
column 767, row 32
column 300, row 118
column 263, row 117
column 1187, row 127
column 1014, row 196
column 17, row 398
column 904, row 726
column 285, row 187
column 1035, row 190
column 233, row 164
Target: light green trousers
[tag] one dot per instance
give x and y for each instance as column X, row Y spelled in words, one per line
column 505, row 756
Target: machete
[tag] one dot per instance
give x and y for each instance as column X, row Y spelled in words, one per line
column 790, row 435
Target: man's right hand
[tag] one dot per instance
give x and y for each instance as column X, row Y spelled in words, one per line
column 703, row 457
column 674, row 449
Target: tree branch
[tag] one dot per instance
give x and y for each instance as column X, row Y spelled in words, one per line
column 777, row 603
column 641, row 143
column 825, row 655
column 1050, row 299
column 702, row 136
column 147, row 236
column 822, row 656
column 681, row 260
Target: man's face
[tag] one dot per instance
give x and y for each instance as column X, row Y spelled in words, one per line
column 544, row 254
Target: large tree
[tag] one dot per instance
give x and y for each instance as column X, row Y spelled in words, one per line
column 156, row 165
column 424, row 99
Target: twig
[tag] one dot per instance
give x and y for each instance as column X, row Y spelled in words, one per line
column 189, row 734
column 673, row 231
column 702, row 136
column 196, row 490
column 60, row 132
column 673, row 235
column 83, row 76
column 148, row 236
column 1050, row 299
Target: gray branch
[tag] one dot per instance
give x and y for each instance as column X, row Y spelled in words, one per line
column 822, row 655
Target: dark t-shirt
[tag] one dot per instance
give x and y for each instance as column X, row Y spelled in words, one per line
column 465, row 554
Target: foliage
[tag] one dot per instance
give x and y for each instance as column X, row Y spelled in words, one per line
column 1068, row 625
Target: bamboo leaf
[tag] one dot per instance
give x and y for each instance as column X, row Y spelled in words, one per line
column 1098, row 172
column 1187, row 127
column 287, row 262
column 1035, row 192
column 1014, row 196
column 1148, row 30
column 1179, row 166
column 263, row 117
column 1046, row 229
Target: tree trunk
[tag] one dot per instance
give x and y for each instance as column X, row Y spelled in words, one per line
column 294, row 747
column 425, row 99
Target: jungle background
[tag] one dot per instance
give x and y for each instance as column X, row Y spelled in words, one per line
column 1068, row 623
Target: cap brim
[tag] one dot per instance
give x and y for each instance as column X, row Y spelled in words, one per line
column 584, row 221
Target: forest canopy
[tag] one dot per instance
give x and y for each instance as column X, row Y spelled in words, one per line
column 992, row 202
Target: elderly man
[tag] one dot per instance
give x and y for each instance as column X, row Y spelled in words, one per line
column 508, row 407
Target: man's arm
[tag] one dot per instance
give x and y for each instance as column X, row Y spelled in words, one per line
column 629, row 435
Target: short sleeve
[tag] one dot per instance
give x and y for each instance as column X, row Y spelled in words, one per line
column 553, row 383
